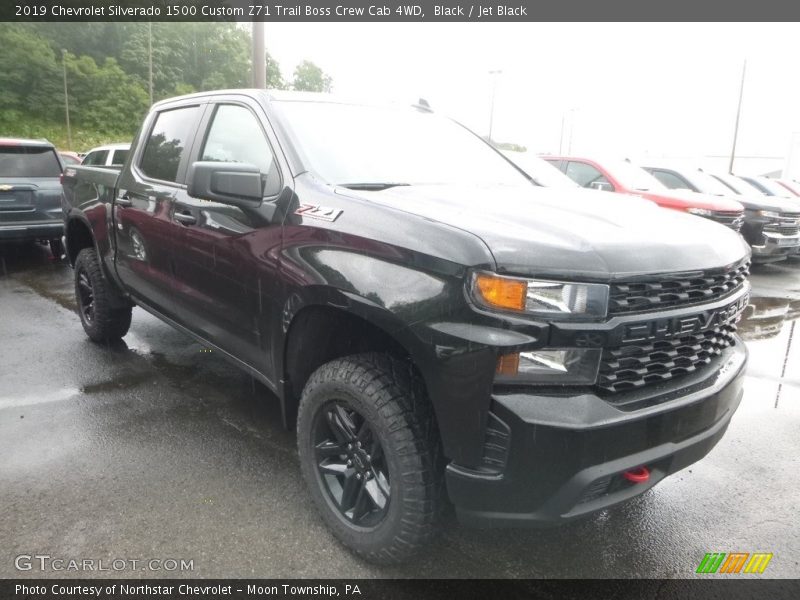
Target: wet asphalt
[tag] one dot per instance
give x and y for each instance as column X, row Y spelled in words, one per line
column 155, row 448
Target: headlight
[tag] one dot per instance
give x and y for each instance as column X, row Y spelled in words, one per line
column 770, row 214
column 537, row 297
column 700, row 212
column 576, row 366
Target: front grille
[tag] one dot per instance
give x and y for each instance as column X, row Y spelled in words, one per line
column 675, row 290
column 787, row 224
column 732, row 219
column 632, row 366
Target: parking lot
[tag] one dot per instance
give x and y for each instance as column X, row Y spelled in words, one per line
column 156, row 448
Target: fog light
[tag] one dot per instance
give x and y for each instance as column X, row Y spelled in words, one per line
column 575, row 366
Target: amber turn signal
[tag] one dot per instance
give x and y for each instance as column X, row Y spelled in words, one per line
column 501, row 292
column 507, row 364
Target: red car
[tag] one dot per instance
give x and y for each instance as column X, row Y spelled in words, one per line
column 626, row 178
column 790, row 185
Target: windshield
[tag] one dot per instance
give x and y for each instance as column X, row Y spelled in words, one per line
column 633, row 177
column 774, row 188
column 707, row 184
column 351, row 144
column 541, row 171
column 738, row 185
column 27, row 161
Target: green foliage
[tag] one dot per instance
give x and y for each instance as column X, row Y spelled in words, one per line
column 275, row 80
column 308, row 77
column 108, row 74
column 510, row 146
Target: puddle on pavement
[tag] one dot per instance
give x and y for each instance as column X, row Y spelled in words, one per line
column 121, row 382
column 765, row 318
column 769, row 327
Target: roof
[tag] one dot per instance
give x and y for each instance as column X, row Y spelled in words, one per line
column 37, row 143
column 118, row 146
column 292, row 96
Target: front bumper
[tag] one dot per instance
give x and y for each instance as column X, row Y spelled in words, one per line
column 775, row 246
column 31, row 231
column 564, row 455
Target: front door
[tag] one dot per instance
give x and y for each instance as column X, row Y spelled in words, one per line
column 227, row 259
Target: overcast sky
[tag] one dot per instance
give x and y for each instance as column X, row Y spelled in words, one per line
column 664, row 89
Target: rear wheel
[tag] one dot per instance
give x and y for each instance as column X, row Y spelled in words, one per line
column 369, row 454
column 101, row 318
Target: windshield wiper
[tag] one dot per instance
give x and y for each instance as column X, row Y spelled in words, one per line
column 372, row 187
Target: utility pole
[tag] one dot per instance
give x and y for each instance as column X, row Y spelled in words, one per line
column 571, row 129
column 738, row 113
column 66, row 98
column 259, row 57
column 150, row 58
column 494, row 75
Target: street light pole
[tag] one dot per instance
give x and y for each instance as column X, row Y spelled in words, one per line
column 494, row 75
column 259, row 56
column 738, row 114
column 150, row 58
column 66, row 98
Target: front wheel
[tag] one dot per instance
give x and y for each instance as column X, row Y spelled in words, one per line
column 368, row 451
column 101, row 318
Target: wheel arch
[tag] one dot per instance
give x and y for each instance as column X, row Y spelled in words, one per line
column 318, row 333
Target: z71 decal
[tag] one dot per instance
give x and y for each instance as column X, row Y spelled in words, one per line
column 313, row 211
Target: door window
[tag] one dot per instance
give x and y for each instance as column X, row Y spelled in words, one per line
column 671, row 180
column 236, row 136
column 586, row 175
column 119, row 157
column 165, row 147
column 95, row 158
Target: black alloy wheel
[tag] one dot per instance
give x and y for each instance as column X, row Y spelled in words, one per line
column 351, row 464
column 85, row 296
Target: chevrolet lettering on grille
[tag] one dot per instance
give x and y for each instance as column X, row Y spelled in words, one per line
column 667, row 328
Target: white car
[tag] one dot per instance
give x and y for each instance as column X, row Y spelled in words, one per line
column 111, row 155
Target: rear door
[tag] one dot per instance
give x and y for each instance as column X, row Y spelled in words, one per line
column 146, row 234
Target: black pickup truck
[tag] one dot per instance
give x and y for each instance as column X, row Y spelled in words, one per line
column 436, row 326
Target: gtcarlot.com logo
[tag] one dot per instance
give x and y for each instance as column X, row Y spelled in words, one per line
column 45, row 562
column 734, row 562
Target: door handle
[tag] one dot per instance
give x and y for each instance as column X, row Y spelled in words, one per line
column 124, row 200
column 185, row 218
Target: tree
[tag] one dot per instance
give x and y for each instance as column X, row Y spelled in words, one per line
column 308, row 77
column 275, row 80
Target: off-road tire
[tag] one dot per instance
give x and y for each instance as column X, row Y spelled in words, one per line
column 391, row 398
column 107, row 321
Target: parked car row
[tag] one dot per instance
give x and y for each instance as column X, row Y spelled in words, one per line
column 30, row 187
column 765, row 211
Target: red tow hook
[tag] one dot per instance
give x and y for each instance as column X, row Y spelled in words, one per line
column 639, row 475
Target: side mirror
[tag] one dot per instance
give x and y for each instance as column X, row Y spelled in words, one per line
column 602, row 186
column 238, row 184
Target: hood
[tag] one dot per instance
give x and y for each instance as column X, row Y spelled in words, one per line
column 773, row 203
column 565, row 233
column 687, row 199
